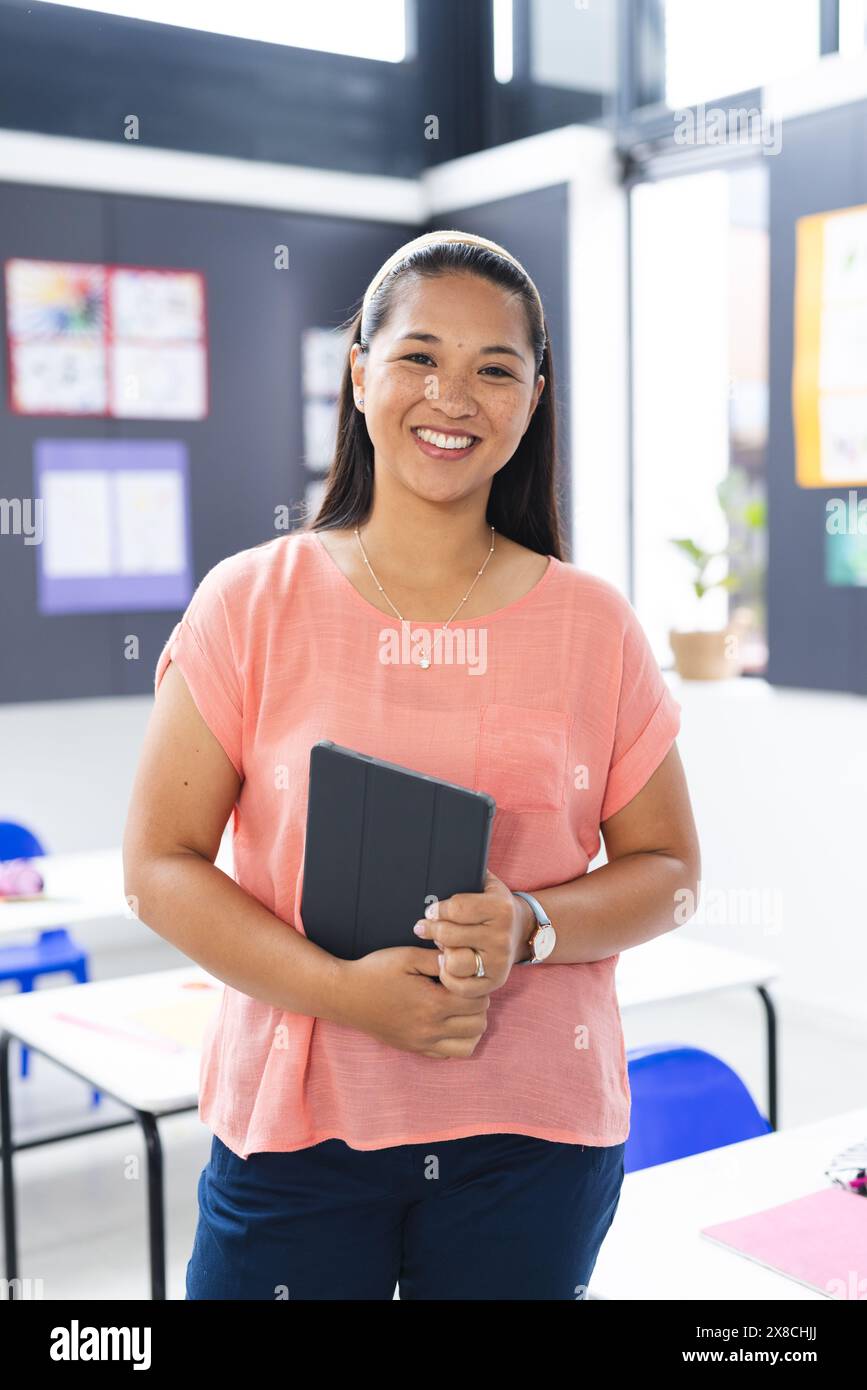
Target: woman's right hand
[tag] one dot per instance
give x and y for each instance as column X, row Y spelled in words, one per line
column 395, row 996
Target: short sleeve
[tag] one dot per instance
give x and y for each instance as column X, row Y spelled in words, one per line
column 202, row 647
column 648, row 719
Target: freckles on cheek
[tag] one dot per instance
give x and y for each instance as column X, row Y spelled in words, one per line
column 395, row 403
column 507, row 423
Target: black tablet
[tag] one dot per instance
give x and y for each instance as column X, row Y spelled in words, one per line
column 382, row 842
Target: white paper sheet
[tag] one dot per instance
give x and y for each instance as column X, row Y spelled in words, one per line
column 150, row 521
column 78, row 511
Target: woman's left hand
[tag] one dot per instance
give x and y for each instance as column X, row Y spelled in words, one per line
column 495, row 923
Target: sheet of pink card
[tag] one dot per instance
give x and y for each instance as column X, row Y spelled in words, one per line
column 819, row 1240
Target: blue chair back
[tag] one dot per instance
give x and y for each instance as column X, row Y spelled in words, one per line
column 685, row 1101
column 17, row 842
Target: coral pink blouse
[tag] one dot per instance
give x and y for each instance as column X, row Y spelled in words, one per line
column 554, row 704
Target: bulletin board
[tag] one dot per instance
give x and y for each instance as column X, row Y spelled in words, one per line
column 829, row 376
column 116, row 528
column 124, row 341
column 817, row 608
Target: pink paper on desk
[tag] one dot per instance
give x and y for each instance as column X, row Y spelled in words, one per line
column 819, row 1240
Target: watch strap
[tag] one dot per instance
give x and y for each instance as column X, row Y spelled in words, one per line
column 538, row 910
column 542, row 918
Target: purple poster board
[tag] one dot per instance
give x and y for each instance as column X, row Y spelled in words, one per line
column 115, row 525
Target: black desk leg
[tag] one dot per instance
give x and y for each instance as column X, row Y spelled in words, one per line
column 9, row 1233
column 156, row 1212
column 771, row 1016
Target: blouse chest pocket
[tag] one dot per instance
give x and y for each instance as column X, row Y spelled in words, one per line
column 522, row 756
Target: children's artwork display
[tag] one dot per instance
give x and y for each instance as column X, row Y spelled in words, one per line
column 115, row 525
column 128, row 342
column 323, row 355
column 320, row 434
column 829, row 376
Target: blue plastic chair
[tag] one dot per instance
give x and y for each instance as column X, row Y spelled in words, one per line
column 685, row 1101
column 54, row 953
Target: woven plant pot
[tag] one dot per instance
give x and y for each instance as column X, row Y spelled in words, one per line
column 705, row 656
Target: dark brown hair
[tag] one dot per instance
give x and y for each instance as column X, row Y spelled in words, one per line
column 523, row 503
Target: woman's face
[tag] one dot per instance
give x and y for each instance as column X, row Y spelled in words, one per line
column 452, row 359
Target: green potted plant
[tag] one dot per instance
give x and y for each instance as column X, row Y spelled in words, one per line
column 715, row 654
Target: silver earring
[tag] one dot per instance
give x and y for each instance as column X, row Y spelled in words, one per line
column 359, row 400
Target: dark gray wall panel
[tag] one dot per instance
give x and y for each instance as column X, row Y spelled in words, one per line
column 817, row 633
column 44, row 658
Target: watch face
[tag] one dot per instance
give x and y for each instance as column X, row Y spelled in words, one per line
column 544, row 942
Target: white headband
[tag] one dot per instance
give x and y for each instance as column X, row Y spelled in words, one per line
column 439, row 238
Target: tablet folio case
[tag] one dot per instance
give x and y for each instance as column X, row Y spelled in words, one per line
column 382, row 842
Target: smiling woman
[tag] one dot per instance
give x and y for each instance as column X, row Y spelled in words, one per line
column 448, row 395
column 323, row 1080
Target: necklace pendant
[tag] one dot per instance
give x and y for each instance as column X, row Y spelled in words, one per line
column 424, row 663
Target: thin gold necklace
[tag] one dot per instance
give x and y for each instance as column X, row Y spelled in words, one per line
column 424, row 662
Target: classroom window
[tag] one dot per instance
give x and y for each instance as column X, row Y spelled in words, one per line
column 713, row 49
column 570, row 44
column 574, row 44
column 342, row 26
column 853, row 27
column 700, row 397
column 504, row 41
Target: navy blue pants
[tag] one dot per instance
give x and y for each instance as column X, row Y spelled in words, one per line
column 493, row 1216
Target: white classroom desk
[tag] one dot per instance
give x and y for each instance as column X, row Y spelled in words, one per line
column 672, row 967
column 150, row 1078
column 83, row 886
column 653, row 1250
column 158, row 1076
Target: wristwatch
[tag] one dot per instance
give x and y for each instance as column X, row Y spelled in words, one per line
column 544, row 937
